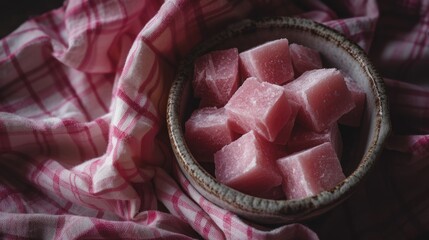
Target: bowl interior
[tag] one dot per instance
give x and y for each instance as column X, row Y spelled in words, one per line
column 361, row 146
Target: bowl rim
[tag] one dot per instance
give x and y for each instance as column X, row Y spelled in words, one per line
column 239, row 202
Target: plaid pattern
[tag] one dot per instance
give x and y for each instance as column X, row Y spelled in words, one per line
column 83, row 149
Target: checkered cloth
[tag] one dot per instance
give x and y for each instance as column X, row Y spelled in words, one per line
column 83, row 146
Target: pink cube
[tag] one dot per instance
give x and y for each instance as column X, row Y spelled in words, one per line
column 354, row 117
column 259, row 106
column 216, row 77
column 323, row 96
column 304, row 59
column 310, row 172
column 247, row 165
column 269, row 62
column 275, row 193
column 302, row 138
column 207, row 131
column 284, row 134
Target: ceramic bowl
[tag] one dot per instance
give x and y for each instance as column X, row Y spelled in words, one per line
column 362, row 147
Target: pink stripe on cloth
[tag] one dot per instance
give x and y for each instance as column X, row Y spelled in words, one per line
column 410, row 119
column 415, row 145
column 179, row 204
column 150, row 225
column 235, row 228
column 83, row 145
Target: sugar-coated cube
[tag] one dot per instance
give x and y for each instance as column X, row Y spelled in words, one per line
column 303, row 138
column 269, row 62
column 310, row 172
column 216, row 77
column 207, row 131
column 284, row 134
column 248, row 165
column 259, row 106
column 304, row 59
column 353, row 118
column 275, row 193
column 323, row 96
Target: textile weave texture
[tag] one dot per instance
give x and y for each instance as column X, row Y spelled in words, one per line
column 83, row 146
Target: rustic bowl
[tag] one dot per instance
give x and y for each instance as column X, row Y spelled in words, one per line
column 362, row 146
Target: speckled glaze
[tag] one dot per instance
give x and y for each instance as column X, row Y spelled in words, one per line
column 336, row 51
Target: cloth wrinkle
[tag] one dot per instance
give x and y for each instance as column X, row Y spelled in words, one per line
column 84, row 151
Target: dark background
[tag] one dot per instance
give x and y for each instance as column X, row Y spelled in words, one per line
column 15, row 12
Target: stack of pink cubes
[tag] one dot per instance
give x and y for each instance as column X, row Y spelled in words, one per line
column 268, row 119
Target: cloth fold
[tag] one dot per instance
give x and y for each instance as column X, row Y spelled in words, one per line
column 83, row 145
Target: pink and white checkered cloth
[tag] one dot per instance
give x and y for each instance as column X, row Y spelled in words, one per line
column 83, row 146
